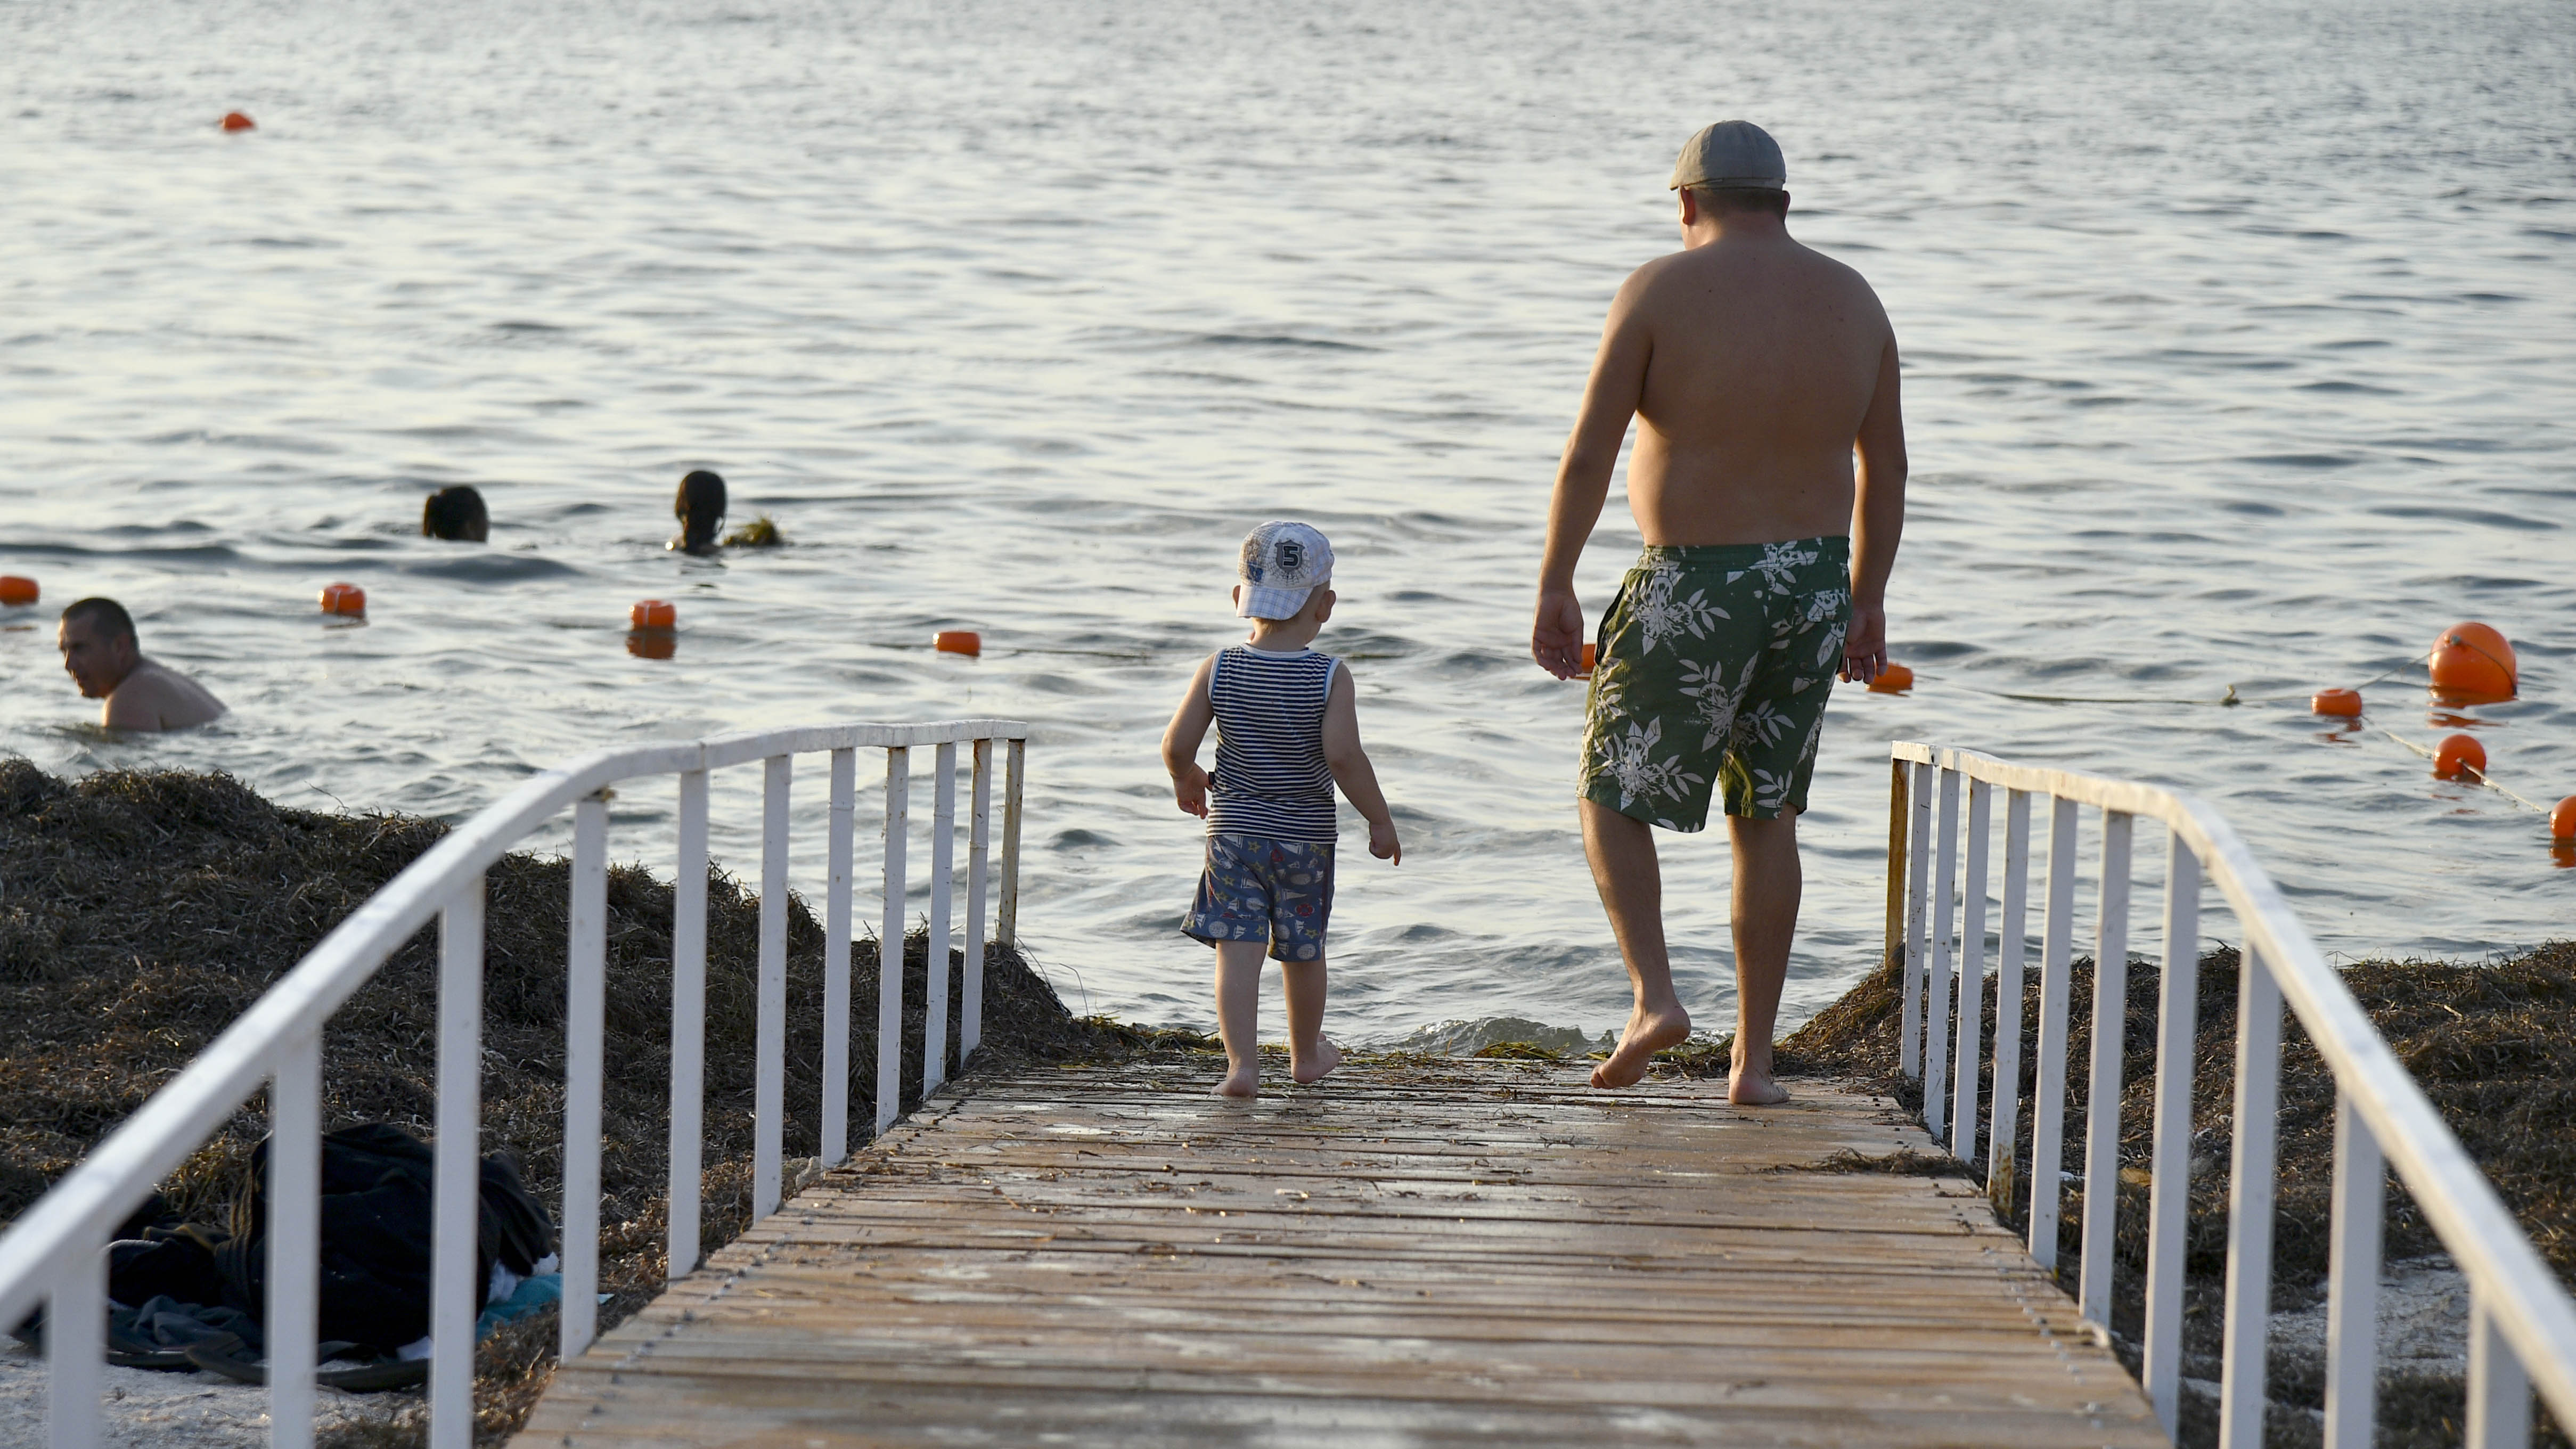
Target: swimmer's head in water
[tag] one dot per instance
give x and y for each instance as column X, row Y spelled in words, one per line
column 455, row 513
column 98, row 644
column 700, row 508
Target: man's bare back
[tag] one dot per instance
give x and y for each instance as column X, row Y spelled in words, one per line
column 157, row 697
column 1757, row 371
column 1770, row 452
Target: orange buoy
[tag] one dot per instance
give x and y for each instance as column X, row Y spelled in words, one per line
column 343, row 599
column 2340, row 703
column 652, row 643
column 2457, row 756
column 654, row 614
column 2474, row 662
column 1591, row 653
column 958, row 641
column 17, row 592
column 236, row 121
column 2562, row 819
column 1894, row 678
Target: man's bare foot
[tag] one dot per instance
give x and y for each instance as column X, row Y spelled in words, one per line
column 1645, row 1036
column 1754, row 1089
column 1314, row 1069
column 1241, row 1082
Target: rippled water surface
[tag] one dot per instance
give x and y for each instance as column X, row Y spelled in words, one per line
column 2236, row 342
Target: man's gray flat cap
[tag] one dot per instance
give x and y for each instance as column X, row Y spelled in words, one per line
column 1731, row 154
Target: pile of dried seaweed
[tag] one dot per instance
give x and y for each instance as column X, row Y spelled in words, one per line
column 2493, row 1046
column 140, row 913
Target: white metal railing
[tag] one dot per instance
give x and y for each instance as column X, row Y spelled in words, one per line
column 2522, row 1324
column 56, row 1252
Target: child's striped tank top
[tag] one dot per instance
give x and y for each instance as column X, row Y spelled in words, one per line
column 1271, row 779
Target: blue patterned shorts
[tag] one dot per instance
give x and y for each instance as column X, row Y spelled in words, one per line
column 1255, row 889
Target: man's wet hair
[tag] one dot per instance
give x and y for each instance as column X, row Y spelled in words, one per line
column 1725, row 200
column 103, row 614
column 455, row 513
column 700, row 507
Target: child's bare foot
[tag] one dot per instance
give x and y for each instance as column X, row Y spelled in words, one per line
column 1241, row 1082
column 1314, row 1068
column 1645, row 1036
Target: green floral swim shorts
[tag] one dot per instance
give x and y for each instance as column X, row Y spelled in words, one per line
column 1713, row 666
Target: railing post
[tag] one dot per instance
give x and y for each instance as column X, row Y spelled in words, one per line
column 769, row 1055
column 1918, row 873
column 2010, row 944
column 1006, row 927
column 2177, row 1022
column 1936, row 996
column 898, row 828
column 2048, row 1092
column 978, row 848
column 1972, row 978
column 2499, row 1389
column 455, row 1298
column 934, row 945
column 835, row 1146
column 2250, row 1190
column 585, row 1004
column 2352, row 1280
column 294, row 1235
column 1893, row 954
column 76, row 1345
column 2102, row 1096
column 688, row 1024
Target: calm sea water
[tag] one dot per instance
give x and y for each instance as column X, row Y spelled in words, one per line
column 2236, row 340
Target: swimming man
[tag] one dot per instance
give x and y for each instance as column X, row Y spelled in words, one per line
column 1757, row 371
column 101, row 655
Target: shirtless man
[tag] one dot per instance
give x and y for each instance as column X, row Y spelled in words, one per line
column 101, row 655
column 1757, row 370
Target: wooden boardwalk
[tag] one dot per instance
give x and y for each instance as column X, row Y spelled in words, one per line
column 1408, row 1255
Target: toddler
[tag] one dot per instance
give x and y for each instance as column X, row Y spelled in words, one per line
column 1287, row 730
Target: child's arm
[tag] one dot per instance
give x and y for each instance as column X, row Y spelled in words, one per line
column 1181, row 740
column 1351, row 768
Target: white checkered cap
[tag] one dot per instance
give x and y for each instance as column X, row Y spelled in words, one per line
column 1283, row 561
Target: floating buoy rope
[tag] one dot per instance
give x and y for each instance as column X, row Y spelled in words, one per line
column 2473, row 767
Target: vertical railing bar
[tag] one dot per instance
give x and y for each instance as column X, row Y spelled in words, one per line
column 2177, row 1021
column 76, row 1346
column 978, row 849
column 2102, row 1095
column 769, row 1054
column 688, row 1024
column 2250, row 1190
column 585, row 1005
column 2499, row 1387
column 835, row 1144
column 2010, row 944
column 934, row 946
column 1972, row 977
column 898, row 826
column 1006, row 928
column 455, row 1298
column 294, row 1233
column 2352, row 1280
column 2048, row 1091
column 1936, row 995
column 1897, row 815
column 1918, row 874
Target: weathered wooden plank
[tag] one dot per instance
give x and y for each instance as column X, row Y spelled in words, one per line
column 1406, row 1255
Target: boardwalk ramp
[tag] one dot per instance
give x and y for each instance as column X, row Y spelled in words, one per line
column 1411, row 1254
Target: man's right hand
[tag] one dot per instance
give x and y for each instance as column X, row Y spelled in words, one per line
column 1865, row 644
column 1556, row 637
